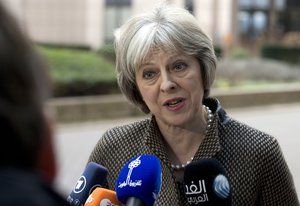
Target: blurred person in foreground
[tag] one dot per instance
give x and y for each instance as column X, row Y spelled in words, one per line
column 27, row 163
column 166, row 66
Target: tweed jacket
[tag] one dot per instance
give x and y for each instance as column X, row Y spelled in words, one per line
column 253, row 161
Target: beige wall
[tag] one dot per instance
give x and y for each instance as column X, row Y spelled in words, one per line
column 95, row 23
column 61, row 22
column 203, row 11
column 224, row 21
column 215, row 18
column 55, row 21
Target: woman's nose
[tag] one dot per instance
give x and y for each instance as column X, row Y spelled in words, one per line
column 167, row 83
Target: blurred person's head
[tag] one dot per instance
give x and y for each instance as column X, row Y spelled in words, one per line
column 23, row 92
column 166, row 30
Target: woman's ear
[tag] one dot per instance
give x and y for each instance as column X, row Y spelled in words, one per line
column 47, row 159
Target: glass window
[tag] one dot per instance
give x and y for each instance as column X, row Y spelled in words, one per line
column 116, row 13
column 244, row 22
column 245, row 3
column 280, row 4
column 261, row 4
column 259, row 21
column 118, row 2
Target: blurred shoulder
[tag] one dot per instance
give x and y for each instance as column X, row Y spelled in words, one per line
column 19, row 187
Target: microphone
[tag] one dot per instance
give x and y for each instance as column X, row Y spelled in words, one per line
column 139, row 181
column 93, row 176
column 102, row 197
column 205, row 183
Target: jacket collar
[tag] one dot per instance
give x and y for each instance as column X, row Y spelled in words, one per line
column 154, row 140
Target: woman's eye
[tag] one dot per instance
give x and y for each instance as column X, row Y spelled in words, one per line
column 180, row 66
column 148, row 74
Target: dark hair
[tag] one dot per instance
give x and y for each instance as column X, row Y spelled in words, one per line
column 23, row 91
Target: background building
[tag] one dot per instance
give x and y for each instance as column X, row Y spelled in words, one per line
column 92, row 23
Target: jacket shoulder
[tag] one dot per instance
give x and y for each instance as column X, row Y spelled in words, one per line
column 121, row 139
column 248, row 142
column 126, row 132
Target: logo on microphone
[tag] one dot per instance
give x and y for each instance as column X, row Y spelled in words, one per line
column 80, row 185
column 135, row 163
column 221, row 186
column 90, row 199
column 196, row 192
column 106, row 202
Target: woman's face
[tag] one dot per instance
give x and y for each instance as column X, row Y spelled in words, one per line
column 172, row 87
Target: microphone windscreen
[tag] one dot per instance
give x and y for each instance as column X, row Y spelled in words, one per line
column 206, row 183
column 93, row 176
column 102, row 197
column 140, row 178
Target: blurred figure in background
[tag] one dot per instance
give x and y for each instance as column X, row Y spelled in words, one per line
column 27, row 163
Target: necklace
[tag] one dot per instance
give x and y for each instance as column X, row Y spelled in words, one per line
column 209, row 121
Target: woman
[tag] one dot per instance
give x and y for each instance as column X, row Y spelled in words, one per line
column 166, row 67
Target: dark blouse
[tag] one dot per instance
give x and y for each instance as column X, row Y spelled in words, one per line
column 253, row 161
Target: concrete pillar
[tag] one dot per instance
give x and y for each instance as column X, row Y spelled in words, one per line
column 95, row 23
column 203, row 13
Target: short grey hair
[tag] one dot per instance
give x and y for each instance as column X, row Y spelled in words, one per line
column 166, row 28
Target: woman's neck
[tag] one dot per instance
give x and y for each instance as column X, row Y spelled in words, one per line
column 182, row 143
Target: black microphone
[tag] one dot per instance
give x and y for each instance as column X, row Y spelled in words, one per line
column 206, row 183
column 93, row 176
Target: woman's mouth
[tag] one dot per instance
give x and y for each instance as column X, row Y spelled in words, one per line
column 175, row 104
